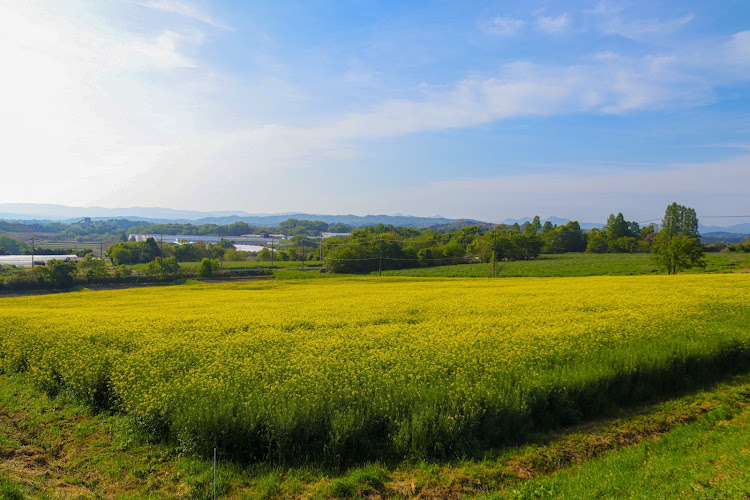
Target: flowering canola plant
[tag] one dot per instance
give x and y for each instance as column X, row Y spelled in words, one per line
column 355, row 368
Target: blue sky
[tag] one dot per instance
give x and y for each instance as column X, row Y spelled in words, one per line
column 465, row 109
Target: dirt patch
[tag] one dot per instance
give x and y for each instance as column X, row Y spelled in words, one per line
column 28, row 458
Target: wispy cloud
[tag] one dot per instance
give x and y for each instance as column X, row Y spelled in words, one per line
column 738, row 47
column 614, row 21
column 184, row 9
column 553, row 25
column 503, row 26
column 359, row 75
column 609, row 84
column 720, row 146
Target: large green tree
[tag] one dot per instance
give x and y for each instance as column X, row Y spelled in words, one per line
column 680, row 220
column 618, row 227
column 92, row 268
column 567, row 238
column 164, row 268
column 207, row 267
column 677, row 246
column 60, row 273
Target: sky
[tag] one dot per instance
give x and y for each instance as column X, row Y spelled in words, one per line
column 485, row 110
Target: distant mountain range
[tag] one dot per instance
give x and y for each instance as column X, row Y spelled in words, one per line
column 723, row 237
column 29, row 211
column 736, row 228
column 41, row 213
column 47, row 212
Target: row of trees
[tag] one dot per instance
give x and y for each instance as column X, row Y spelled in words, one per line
column 12, row 246
column 743, row 246
column 59, row 274
column 620, row 236
column 370, row 250
column 55, row 274
column 674, row 247
column 289, row 227
column 113, row 229
column 143, row 252
column 134, row 252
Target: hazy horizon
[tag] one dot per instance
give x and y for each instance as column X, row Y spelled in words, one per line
column 53, row 212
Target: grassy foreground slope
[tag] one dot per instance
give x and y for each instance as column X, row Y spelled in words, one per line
column 692, row 447
column 707, row 458
column 348, row 370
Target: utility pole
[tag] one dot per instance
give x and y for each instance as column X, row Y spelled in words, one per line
column 380, row 259
column 32, row 252
column 271, row 251
column 221, row 254
column 161, row 240
column 101, row 250
column 303, row 254
column 320, row 257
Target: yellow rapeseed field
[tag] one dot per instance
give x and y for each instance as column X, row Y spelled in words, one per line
column 345, row 369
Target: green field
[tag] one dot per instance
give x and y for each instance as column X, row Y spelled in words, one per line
column 548, row 265
column 254, row 264
column 706, row 458
column 576, row 264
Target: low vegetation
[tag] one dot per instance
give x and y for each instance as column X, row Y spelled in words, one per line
column 691, row 446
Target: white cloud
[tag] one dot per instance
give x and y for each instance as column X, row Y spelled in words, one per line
column 79, row 108
column 553, row 25
column 738, row 48
column 503, row 26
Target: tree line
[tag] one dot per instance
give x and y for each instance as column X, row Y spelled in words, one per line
column 289, row 227
column 674, row 245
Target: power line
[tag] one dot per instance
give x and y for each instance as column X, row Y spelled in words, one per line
column 414, row 240
column 347, row 260
column 724, row 217
column 703, row 217
column 418, row 259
